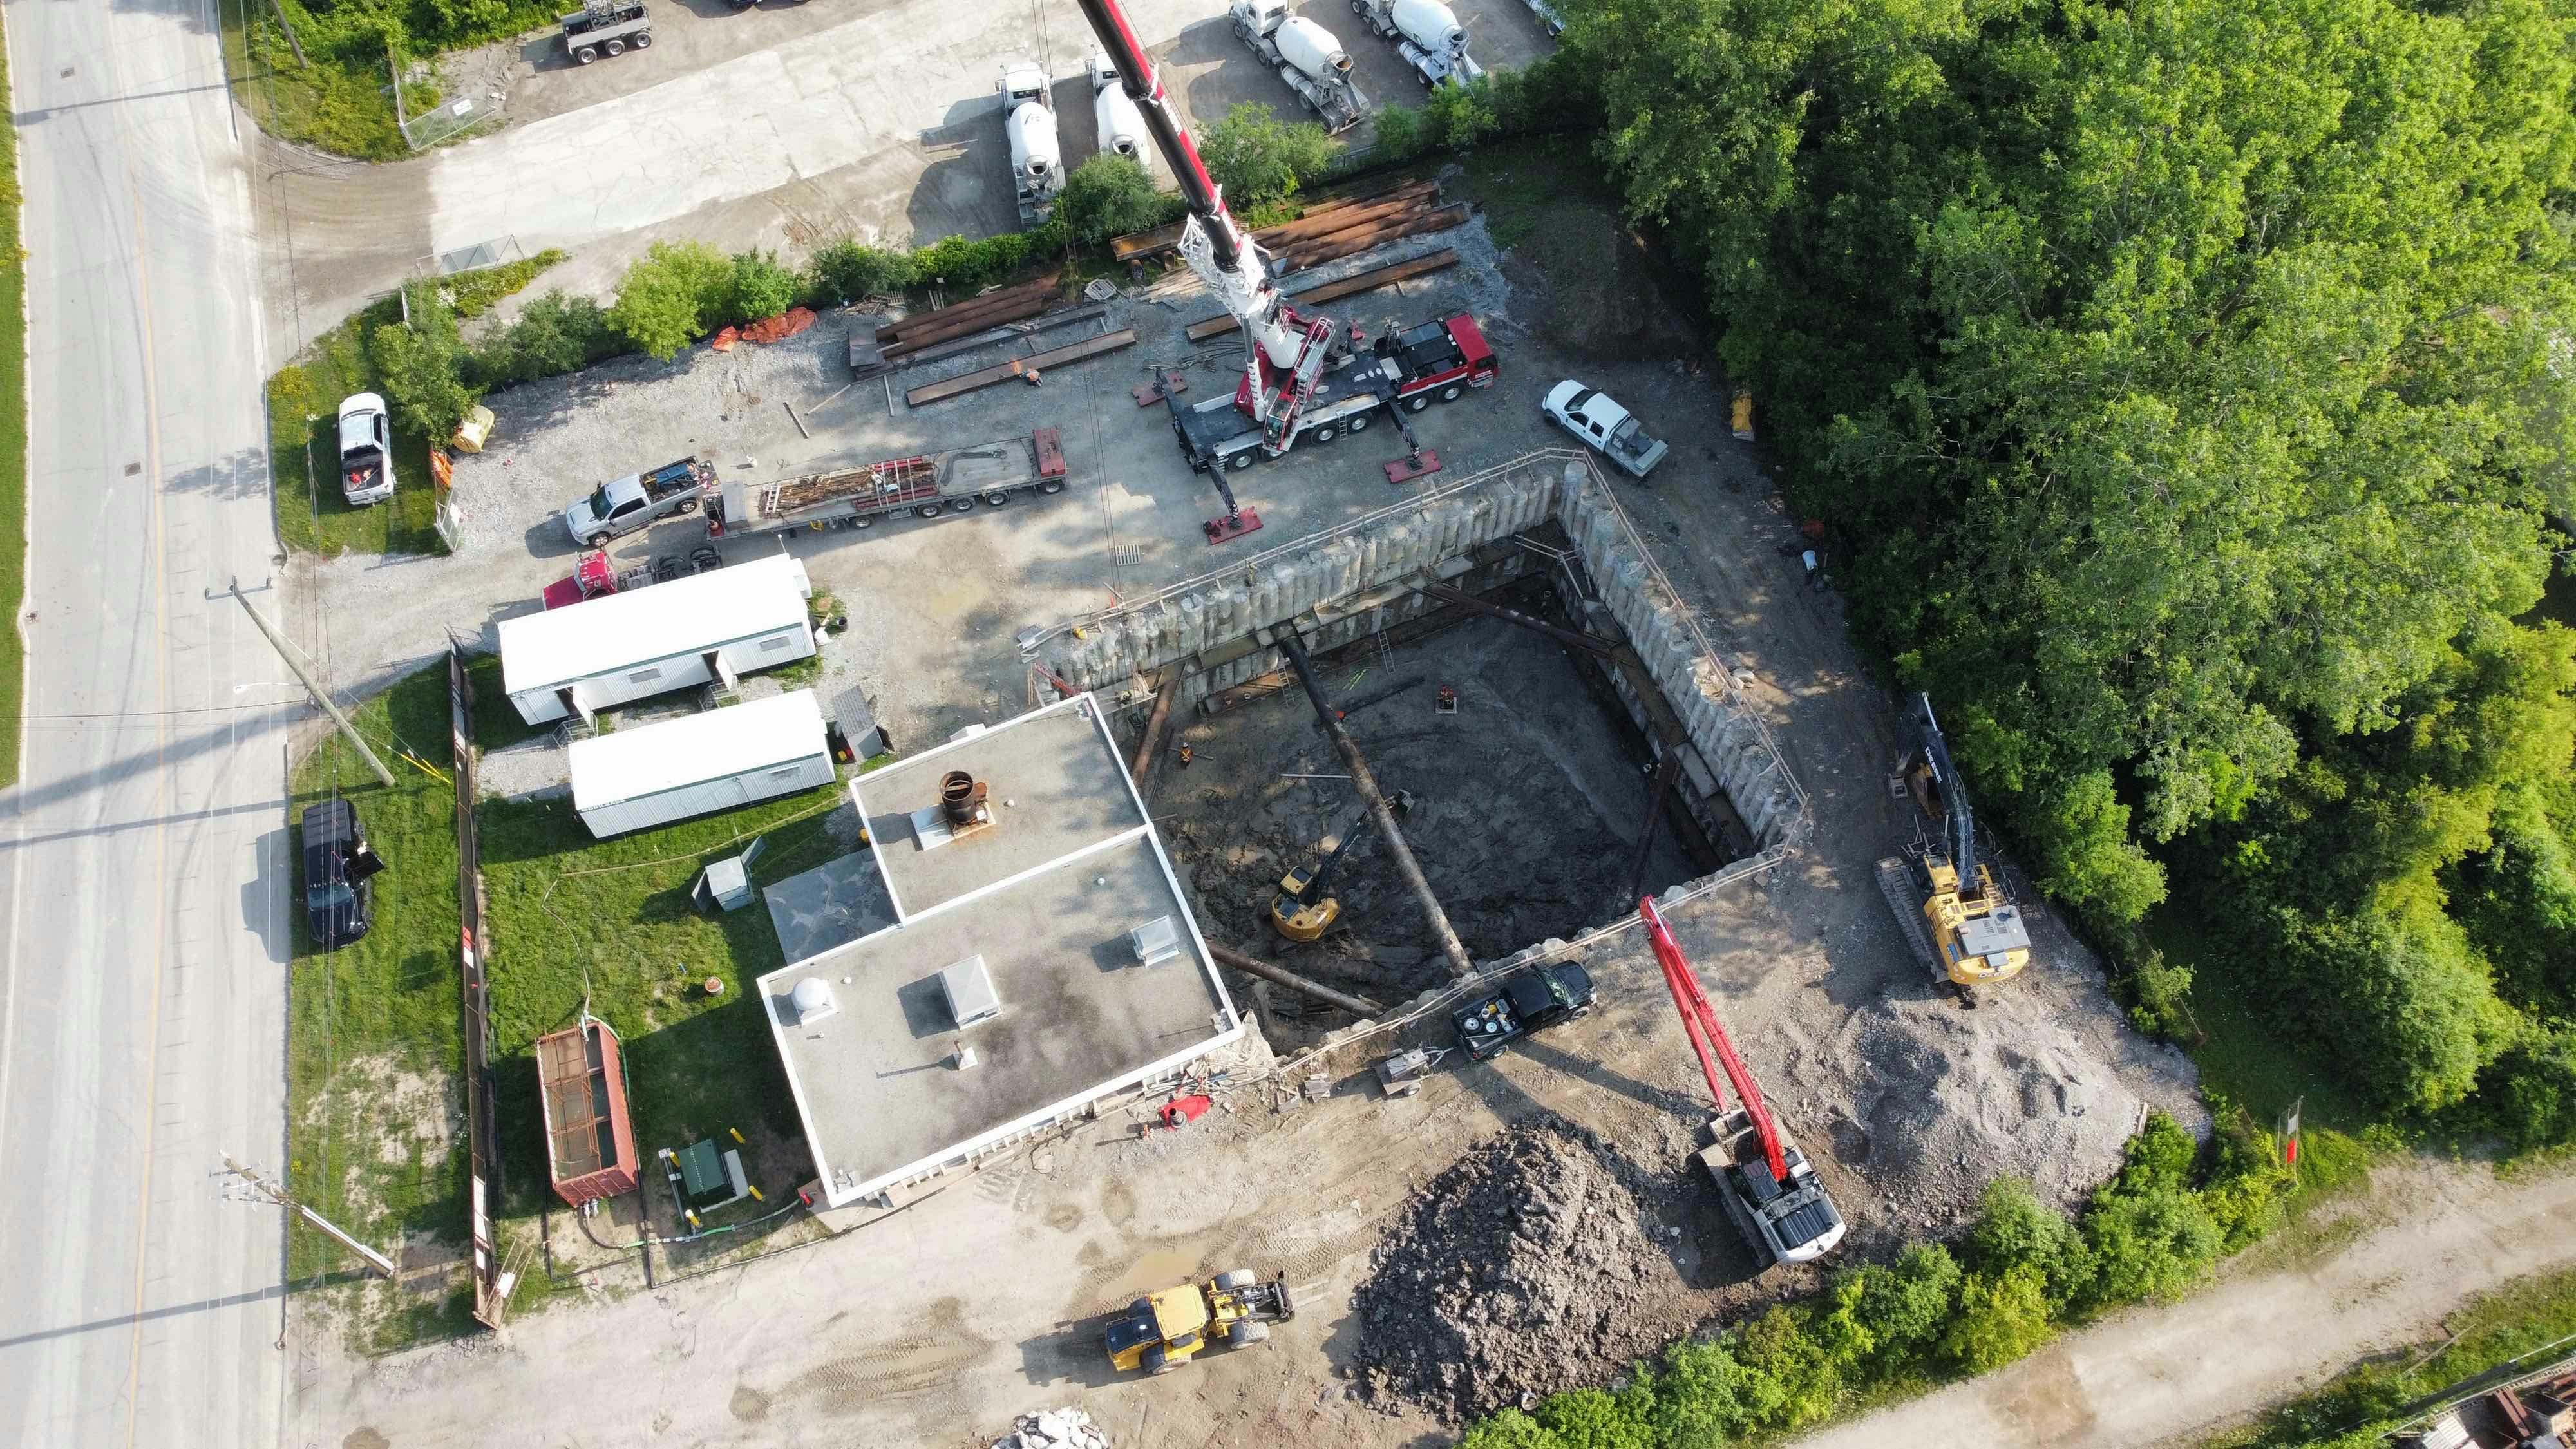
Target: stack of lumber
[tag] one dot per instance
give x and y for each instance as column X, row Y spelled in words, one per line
column 1323, row 213
column 1362, row 228
column 898, row 339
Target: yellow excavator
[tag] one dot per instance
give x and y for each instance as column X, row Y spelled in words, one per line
column 1302, row 911
column 1956, row 917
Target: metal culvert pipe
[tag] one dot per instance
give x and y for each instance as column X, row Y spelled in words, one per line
column 1282, row 976
column 1460, row 964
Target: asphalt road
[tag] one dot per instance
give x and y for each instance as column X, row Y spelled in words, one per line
column 142, row 991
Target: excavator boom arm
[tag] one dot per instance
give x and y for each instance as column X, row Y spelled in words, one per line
column 1956, row 822
column 1707, row 1034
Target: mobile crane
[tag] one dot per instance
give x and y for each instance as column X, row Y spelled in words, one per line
column 1285, row 351
column 1957, row 920
column 1770, row 1191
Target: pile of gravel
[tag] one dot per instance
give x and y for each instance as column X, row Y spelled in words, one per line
column 1531, row 1265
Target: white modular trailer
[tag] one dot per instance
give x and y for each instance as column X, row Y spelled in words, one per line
column 654, row 774
column 638, row 643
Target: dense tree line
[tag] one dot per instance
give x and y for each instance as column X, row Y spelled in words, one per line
column 2181, row 381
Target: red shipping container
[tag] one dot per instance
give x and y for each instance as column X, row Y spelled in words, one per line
column 590, row 1143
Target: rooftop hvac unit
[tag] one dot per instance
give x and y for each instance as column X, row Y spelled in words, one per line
column 969, row 988
column 1156, row 940
column 812, row 999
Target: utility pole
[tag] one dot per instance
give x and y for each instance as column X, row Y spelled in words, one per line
column 268, row 1192
column 348, row 731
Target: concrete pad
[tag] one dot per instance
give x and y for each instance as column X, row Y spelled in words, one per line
column 831, row 905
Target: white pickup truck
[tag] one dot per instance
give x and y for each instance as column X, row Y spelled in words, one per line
column 1593, row 417
column 366, row 450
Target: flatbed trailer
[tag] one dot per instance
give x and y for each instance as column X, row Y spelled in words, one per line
column 927, row 485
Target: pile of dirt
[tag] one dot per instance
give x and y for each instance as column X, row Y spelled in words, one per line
column 1533, row 1264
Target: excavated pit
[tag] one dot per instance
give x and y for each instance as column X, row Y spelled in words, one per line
column 1528, row 800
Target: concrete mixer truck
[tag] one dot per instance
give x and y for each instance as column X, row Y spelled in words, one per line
column 1037, row 162
column 1306, row 56
column 1426, row 33
column 1121, row 127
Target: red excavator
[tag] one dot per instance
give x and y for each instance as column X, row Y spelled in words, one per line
column 1768, row 1188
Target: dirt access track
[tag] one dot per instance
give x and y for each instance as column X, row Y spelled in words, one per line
column 2427, row 1237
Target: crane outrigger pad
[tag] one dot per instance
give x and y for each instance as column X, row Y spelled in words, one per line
column 1404, row 470
column 1222, row 529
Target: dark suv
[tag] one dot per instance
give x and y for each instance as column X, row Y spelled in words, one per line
column 338, row 903
column 1531, row 999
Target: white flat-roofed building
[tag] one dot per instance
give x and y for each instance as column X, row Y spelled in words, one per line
column 703, row 629
column 654, row 774
column 1043, row 957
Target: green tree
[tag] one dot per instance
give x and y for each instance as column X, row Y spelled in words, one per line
column 1257, row 157
column 761, row 287
column 554, row 334
column 1511, row 1429
column 2015, row 1230
column 1110, row 195
column 422, row 365
column 2150, row 1243
column 2001, row 1318
column 1402, row 133
column 672, row 295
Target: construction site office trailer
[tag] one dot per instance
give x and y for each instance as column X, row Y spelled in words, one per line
column 628, row 646
column 657, row 773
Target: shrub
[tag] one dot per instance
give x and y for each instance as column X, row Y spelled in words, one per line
column 762, row 287
column 1257, row 157
column 2149, row 1243
column 476, row 291
column 1402, row 134
column 2533, row 1091
column 2016, row 1230
column 846, row 270
column 2247, row 1179
column 1789, row 1379
column 1594, row 1419
column 671, row 295
column 1511, row 1429
column 1884, row 1315
column 1695, row 1391
column 423, row 365
column 2163, row 989
column 1110, row 195
column 555, row 334
column 1459, row 116
column 2001, row 1318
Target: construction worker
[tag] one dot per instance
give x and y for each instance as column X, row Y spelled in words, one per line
column 1185, row 754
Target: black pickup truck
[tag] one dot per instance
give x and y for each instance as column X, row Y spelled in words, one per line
column 1530, row 999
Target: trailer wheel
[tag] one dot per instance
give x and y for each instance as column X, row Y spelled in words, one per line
column 1418, row 402
column 927, row 510
column 614, row 46
column 863, row 523
column 996, row 498
column 585, row 55
column 1324, row 434
column 689, row 505
column 1452, row 393
column 1052, row 485
column 963, row 505
column 643, row 40
column 1358, row 424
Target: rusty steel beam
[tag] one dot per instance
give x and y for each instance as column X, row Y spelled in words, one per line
column 1442, row 932
column 1154, row 729
column 1571, row 638
column 1282, row 976
column 1667, row 773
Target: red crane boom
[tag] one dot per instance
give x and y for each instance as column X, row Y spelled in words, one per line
column 1700, row 1024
